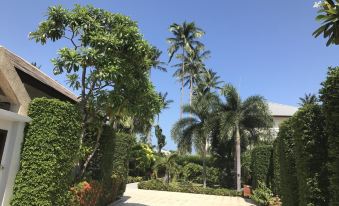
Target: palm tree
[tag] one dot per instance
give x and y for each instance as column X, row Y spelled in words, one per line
column 237, row 116
column 308, row 99
column 207, row 81
column 195, row 67
column 170, row 165
column 195, row 130
column 185, row 39
column 328, row 15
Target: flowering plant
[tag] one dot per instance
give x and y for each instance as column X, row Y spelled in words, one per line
column 86, row 194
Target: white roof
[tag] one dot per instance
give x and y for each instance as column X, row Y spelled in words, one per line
column 281, row 109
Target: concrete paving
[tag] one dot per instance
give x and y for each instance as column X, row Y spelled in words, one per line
column 135, row 197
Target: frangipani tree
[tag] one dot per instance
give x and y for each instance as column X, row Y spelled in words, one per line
column 107, row 60
column 329, row 17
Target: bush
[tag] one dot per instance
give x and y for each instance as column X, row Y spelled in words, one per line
column 49, row 151
column 213, row 176
column 186, row 188
column 131, row 179
column 186, row 159
column 192, row 172
column 275, row 186
column 262, row 195
column 260, row 164
column 311, row 155
column 122, row 148
column 288, row 174
column 106, row 151
column 330, row 98
column 246, row 167
column 86, row 194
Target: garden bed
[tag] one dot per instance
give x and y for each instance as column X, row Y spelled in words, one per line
column 185, row 187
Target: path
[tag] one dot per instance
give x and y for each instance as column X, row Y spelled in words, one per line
column 136, row 197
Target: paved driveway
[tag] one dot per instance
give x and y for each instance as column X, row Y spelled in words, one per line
column 136, row 197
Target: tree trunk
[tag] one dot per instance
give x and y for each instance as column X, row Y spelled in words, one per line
column 182, row 82
column 238, row 161
column 204, row 163
column 191, row 92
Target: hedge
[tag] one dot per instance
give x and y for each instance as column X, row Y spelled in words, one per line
column 288, row 174
column 311, row 155
column 330, row 98
column 122, row 147
column 260, row 164
column 276, row 168
column 185, row 188
column 106, row 165
column 51, row 144
column 185, row 159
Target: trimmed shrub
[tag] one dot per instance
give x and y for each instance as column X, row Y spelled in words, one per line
column 330, row 98
column 186, row 159
column 288, row 174
column 311, row 155
column 260, row 164
column 192, row 172
column 276, row 168
column 246, row 171
column 186, row 188
column 131, row 179
column 122, row 148
column 48, row 154
column 106, row 151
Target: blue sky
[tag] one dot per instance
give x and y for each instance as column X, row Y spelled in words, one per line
column 262, row 47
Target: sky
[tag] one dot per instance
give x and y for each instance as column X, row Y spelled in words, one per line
column 262, row 47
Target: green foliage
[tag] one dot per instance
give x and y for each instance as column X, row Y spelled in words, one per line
column 186, row 159
column 142, row 159
column 276, row 168
column 186, row 188
column 330, row 98
column 169, row 164
column 311, row 155
column 260, row 164
column 160, row 137
column 107, row 147
column 122, row 147
column 246, row 161
column 131, row 179
column 192, row 172
column 288, row 173
column 48, row 154
column 328, row 15
column 262, row 194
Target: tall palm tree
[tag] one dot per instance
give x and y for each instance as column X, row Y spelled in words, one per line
column 185, row 39
column 237, row 116
column 195, row 67
column 308, row 99
column 195, row 130
column 207, row 81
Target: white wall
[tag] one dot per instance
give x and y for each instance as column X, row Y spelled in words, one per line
column 15, row 125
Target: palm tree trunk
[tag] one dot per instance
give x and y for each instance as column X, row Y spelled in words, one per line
column 204, row 163
column 191, row 92
column 238, row 161
column 182, row 82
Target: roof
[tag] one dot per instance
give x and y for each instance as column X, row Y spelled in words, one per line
column 27, row 68
column 281, row 109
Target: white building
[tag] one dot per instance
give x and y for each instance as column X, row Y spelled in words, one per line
column 280, row 112
column 20, row 82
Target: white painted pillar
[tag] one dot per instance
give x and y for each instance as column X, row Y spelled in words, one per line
column 14, row 124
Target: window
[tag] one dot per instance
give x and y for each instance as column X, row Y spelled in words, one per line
column 3, row 135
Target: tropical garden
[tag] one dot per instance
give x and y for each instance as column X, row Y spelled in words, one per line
column 85, row 152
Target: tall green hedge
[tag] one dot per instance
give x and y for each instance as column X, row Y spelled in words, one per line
column 122, row 147
column 276, row 168
column 330, row 98
column 106, row 165
column 50, row 147
column 260, row 164
column 288, row 174
column 311, row 155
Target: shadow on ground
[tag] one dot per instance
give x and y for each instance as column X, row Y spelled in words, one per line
column 122, row 202
column 250, row 201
